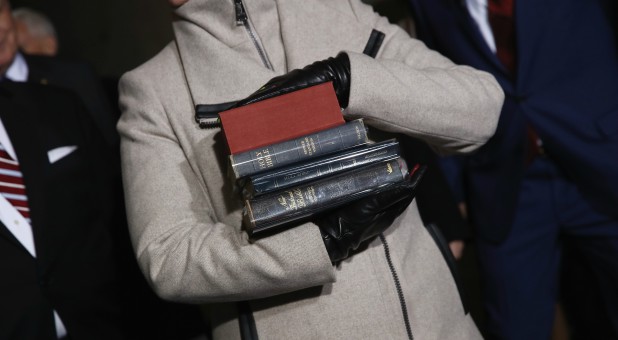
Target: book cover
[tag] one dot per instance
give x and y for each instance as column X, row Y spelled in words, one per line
column 279, row 208
column 302, row 148
column 297, row 173
column 281, row 118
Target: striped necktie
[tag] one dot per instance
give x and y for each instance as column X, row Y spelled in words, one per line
column 500, row 16
column 12, row 184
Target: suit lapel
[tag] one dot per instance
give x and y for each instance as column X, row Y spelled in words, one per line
column 38, row 72
column 531, row 33
column 470, row 28
column 6, row 108
column 21, row 126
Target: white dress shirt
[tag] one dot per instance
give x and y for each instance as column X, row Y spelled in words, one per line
column 11, row 217
column 478, row 12
column 18, row 71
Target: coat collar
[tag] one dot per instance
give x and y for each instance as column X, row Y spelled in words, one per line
column 220, row 61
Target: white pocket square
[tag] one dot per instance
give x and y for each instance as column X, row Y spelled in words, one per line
column 56, row 154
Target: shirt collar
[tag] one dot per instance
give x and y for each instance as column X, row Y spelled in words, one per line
column 18, row 71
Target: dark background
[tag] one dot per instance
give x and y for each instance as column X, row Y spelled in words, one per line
column 113, row 35
column 118, row 35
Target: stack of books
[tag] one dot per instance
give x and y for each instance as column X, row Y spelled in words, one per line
column 294, row 156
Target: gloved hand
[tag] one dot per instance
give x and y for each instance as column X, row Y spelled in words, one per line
column 343, row 230
column 335, row 69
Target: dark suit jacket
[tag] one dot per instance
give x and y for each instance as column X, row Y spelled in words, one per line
column 85, row 268
column 566, row 87
column 80, row 78
column 74, row 271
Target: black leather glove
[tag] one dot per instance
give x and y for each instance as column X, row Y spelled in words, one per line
column 335, row 69
column 343, row 230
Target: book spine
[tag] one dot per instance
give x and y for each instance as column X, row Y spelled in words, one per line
column 296, row 174
column 281, row 207
column 309, row 146
column 284, row 117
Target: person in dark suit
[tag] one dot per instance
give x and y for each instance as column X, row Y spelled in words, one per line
column 549, row 172
column 56, row 256
column 65, row 258
column 67, row 274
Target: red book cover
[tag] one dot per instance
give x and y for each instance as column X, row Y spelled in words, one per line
column 281, row 118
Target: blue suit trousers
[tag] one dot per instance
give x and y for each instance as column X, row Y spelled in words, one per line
column 521, row 275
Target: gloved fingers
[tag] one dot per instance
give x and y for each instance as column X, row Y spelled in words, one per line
column 358, row 217
column 376, row 203
column 393, row 194
column 366, row 208
column 400, row 194
column 335, row 69
column 329, row 224
column 385, row 219
column 340, row 67
column 351, row 234
column 343, row 230
column 294, row 80
column 385, row 215
column 332, row 233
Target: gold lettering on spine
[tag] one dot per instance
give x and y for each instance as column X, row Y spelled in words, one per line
column 389, row 168
column 288, row 201
column 300, row 201
column 293, row 205
column 310, row 195
column 264, row 159
column 308, row 146
column 282, row 201
column 269, row 160
column 312, row 145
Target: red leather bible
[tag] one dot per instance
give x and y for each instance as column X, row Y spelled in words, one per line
column 281, row 118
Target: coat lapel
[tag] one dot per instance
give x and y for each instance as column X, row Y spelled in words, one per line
column 21, row 126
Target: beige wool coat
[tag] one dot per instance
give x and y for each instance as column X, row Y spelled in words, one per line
column 185, row 223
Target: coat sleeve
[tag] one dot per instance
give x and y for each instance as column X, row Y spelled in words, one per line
column 411, row 89
column 184, row 252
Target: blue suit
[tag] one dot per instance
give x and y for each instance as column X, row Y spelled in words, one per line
column 566, row 88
